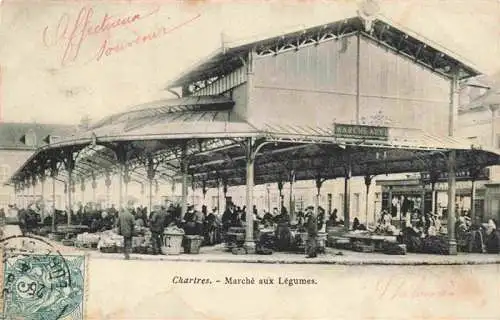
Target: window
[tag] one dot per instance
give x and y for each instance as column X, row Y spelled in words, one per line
column 30, row 138
column 4, row 200
column 299, row 203
column 4, row 173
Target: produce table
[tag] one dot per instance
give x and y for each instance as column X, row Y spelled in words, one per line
column 300, row 239
column 235, row 238
column 377, row 241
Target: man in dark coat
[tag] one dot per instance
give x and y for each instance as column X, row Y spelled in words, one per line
column 126, row 228
column 227, row 216
column 312, row 232
column 22, row 218
column 158, row 224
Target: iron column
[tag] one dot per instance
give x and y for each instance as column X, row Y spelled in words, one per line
column 454, row 87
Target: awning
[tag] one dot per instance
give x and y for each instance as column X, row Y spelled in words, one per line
column 401, row 138
column 213, row 140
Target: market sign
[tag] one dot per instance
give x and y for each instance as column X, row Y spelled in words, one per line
column 353, row 131
column 460, row 175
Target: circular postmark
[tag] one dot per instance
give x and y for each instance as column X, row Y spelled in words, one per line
column 41, row 283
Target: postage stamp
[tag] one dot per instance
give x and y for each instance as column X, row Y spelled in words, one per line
column 42, row 285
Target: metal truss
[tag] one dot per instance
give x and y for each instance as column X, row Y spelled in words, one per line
column 307, row 38
column 413, row 49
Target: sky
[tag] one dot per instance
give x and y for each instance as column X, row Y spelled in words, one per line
column 52, row 72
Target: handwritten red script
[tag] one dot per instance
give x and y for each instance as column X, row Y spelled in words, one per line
column 402, row 289
column 72, row 34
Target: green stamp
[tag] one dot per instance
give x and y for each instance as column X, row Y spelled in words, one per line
column 43, row 286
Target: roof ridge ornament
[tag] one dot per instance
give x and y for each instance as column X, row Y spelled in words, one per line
column 368, row 11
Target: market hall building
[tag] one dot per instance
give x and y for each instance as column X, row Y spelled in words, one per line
column 351, row 98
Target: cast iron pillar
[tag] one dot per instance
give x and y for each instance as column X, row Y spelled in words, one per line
column 389, row 200
column 347, row 192
column 434, row 176
column 94, row 187
column 319, row 184
column 193, row 188
column 250, row 152
column 82, row 189
column 368, row 182
column 53, row 175
column 224, row 190
column 184, row 172
column 73, row 194
column 21, row 195
column 451, row 203
column 291, row 208
column 280, row 190
column 251, row 147
column 126, row 181
column 42, row 192
column 151, row 172
column 422, row 204
column 454, row 91
column 218, row 196
column 157, row 190
column 122, row 157
column 107, row 182
column 69, row 163
column 33, row 189
column 16, row 194
column 204, row 190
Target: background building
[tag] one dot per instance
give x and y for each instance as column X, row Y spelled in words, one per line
column 18, row 142
column 479, row 122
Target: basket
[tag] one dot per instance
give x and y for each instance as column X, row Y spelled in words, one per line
column 172, row 243
column 192, row 244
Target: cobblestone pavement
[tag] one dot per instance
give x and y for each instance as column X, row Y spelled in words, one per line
column 332, row 256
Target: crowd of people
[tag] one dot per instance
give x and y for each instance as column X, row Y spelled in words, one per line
column 420, row 232
column 427, row 234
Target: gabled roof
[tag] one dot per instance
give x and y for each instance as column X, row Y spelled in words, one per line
column 405, row 42
column 11, row 133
